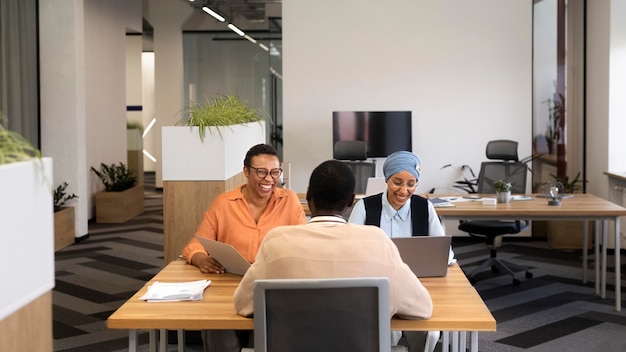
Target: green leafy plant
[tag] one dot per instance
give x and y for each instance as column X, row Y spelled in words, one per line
column 115, row 178
column 61, row 197
column 556, row 108
column 14, row 147
column 502, row 186
column 132, row 125
column 469, row 185
column 569, row 186
column 221, row 111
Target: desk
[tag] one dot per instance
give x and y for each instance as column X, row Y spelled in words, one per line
column 585, row 207
column 457, row 307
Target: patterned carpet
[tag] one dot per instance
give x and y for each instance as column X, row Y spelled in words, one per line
column 553, row 311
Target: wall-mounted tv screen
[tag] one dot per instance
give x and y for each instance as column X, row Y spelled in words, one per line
column 384, row 132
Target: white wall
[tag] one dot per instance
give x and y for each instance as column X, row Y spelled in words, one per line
column 83, row 101
column 166, row 18
column 463, row 68
column 617, row 87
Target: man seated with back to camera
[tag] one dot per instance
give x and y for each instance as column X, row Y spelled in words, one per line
column 241, row 217
column 329, row 247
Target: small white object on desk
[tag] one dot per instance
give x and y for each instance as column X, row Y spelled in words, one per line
column 175, row 291
column 489, row 201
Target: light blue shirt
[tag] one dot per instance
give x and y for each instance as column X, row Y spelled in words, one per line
column 398, row 223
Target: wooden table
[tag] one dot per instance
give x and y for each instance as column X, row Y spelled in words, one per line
column 586, row 207
column 457, row 307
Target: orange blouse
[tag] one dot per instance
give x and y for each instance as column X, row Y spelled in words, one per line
column 229, row 220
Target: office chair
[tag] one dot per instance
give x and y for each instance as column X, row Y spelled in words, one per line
column 509, row 168
column 350, row 150
column 330, row 314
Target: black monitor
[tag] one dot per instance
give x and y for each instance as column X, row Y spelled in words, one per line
column 384, row 132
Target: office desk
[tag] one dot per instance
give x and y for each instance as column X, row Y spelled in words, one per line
column 585, row 207
column 457, row 307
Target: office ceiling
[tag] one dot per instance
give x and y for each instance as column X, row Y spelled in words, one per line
column 251, row 10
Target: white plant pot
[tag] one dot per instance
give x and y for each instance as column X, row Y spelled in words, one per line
column 187, row 158
column 503, row 197
column 26, row 222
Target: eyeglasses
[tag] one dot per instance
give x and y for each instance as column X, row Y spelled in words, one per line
column 262, row 173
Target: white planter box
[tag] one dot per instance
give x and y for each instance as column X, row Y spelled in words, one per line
column 26, row 233
column 186, row 158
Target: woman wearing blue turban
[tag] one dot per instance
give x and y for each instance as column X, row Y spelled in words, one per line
column 400, row 213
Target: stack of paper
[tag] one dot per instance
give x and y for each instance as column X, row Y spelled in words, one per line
column 175, row 291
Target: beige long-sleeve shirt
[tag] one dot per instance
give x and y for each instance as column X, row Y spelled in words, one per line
column 327, row 247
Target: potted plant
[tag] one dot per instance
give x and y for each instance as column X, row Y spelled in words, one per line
column 27, row 222
column 568, row 234
column 122, row 198
column 216, row 134
column 556, row 108
column 220, row 132
column 64, row 230
column 503, row 190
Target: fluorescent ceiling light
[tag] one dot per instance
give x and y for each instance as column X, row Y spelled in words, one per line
column 213, row 13
column 145, row 132
column 250, row 38
column 264, row 47
column 236, row 30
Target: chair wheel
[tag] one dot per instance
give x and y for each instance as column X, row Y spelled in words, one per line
column 529, row 275
column 495, row 269
column 516, row 282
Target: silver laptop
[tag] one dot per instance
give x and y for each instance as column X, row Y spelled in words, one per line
column 427, row 256
column 226, row 254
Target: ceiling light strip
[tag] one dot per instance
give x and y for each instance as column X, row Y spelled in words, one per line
column 213, row 13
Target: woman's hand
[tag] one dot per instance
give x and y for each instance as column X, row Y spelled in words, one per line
column 207, row 264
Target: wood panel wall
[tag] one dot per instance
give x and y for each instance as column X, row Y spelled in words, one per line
column 184, row 203
column 29, row 328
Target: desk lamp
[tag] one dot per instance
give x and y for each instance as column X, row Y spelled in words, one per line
column 555, row 193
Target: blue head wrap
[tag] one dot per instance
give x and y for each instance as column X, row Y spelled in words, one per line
column 402, row 161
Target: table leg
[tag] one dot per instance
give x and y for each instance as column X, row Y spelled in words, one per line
column 181, row 340
column 604, row 245
column 132, row 340
column 163, row 341
column 618, row 268
column 153, row 340
column 455, row 341
column 585, row 237
column 596, row 239
column 474, row 341
column 462, row 341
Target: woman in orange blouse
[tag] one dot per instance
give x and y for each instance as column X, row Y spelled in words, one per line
column 241, row 217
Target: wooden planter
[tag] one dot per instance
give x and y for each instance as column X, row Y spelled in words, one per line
column 64, row 231
column 119, row 207
column 568, row 234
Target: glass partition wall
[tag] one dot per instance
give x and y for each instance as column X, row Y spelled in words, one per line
column 558, row 91
column 218, row 63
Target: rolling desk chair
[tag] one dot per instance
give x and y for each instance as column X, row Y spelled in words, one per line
column 508, row 168
column 329, row 314
column 354, row 154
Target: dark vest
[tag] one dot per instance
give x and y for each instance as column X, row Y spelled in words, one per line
column 419, row 212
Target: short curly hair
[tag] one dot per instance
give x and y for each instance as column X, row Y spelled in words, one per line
column 258, row 150
column 331, row 186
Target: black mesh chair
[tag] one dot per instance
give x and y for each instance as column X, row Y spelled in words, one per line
column 508, row 168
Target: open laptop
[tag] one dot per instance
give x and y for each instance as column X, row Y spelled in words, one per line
column 226, row 254
column 427, row 256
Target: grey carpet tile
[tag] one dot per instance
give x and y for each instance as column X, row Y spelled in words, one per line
column 553, row 311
